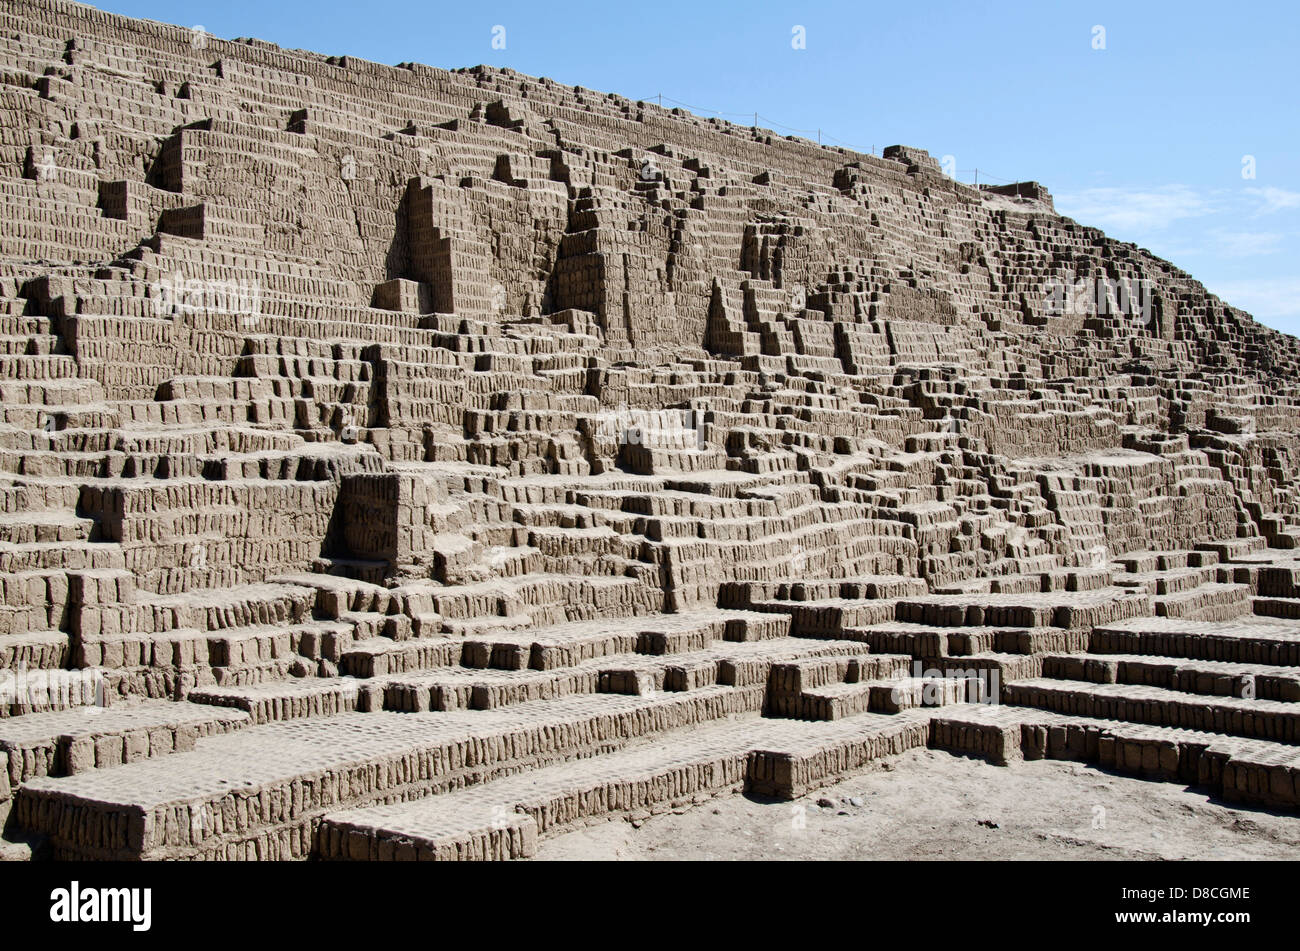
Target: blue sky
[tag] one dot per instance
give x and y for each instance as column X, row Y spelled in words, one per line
column 1146, row 138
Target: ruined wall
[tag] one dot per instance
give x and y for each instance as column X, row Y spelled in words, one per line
column 252, row 254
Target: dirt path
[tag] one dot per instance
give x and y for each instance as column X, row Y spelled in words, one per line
column 933, row 805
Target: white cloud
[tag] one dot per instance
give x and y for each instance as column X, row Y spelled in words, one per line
column 1246, row 244
column 1131, row 210
column 1208, row 225
column 1273, row 301
column 1273, row 199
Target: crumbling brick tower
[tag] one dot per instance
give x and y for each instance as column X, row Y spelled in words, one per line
column 372, row 435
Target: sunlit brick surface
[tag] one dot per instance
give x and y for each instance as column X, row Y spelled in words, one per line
column 398, row 463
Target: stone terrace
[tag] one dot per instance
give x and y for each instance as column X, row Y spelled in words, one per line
column 403, row 463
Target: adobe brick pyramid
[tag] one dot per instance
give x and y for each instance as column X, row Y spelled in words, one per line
column 404, row 463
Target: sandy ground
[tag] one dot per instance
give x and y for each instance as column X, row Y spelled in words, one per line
column 928, row 804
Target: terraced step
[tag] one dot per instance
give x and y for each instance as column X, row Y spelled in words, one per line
column 1245, row 640
column 1210, row 677
column 217, row 609
column 70, row 742
column 63, row 556
column 1263, row 719
column 39, row 650
column 1288, row 608
column 734, row 664
column 504, row 819
column 44, row 527
column 837, row 701
column 828, row 617
column 458, row 688
column 1208, row 602
column 26, row 690
column 237, row 655
column 924, row 640
column 37, row 367
column 377, row 656
column 744, row 663
column 1073, row 611
column 566, row 645
column 259, row 794
column 1254, row 771
column 287, row 700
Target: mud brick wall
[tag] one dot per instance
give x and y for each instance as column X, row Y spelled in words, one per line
column 276, row 820
column 181, row 534
column 477, row 356
column 792, row 772
column 388, row 517
column 128, row 355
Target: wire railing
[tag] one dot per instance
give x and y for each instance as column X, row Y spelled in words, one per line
column 822, row 137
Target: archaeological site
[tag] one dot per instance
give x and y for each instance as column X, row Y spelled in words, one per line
column 400, row 463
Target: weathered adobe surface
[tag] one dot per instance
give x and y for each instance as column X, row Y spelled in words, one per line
column 403, row 463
